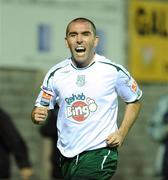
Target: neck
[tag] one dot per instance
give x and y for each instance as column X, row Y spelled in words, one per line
column 82, row 64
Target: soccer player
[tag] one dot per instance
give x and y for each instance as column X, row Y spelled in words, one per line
column 86, row 87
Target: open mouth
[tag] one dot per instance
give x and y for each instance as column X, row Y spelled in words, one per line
column 80, row 49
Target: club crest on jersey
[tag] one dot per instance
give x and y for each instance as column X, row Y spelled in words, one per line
column 79, row 107
column 81, row 80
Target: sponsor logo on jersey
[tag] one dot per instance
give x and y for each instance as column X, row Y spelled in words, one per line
column 81, row 80
column 79, row 107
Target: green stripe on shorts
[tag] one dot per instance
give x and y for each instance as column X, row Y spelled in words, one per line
column 99, row 164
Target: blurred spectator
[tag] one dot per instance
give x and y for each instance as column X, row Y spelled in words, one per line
column 49, row 130
column 158, row 129
column 11, row 143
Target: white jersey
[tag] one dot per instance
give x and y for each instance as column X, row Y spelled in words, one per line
column 87, row 99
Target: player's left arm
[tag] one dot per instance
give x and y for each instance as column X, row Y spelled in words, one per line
column 131, row 113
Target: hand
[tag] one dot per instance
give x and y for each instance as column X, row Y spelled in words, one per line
column 39, row 114
column 26, row 173
column 115, row 139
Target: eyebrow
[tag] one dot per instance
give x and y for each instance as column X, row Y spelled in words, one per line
column 83, row 32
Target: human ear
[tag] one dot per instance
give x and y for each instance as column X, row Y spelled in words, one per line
column 96, row 41
column 66, row 42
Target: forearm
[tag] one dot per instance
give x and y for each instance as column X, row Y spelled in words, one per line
column 21, row 153
column 130, row 116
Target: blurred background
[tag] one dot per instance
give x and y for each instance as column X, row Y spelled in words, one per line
column 133, row 33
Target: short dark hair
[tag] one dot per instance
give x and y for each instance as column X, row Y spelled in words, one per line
column 84, row 20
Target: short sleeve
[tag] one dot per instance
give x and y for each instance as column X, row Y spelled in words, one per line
column 47, row 96
column 126, row 87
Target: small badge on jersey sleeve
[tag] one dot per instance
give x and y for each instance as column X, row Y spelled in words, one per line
column 45, row 99
column 133, row 85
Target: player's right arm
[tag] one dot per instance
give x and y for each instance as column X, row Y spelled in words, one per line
column 39, row 114
column 46, row 99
